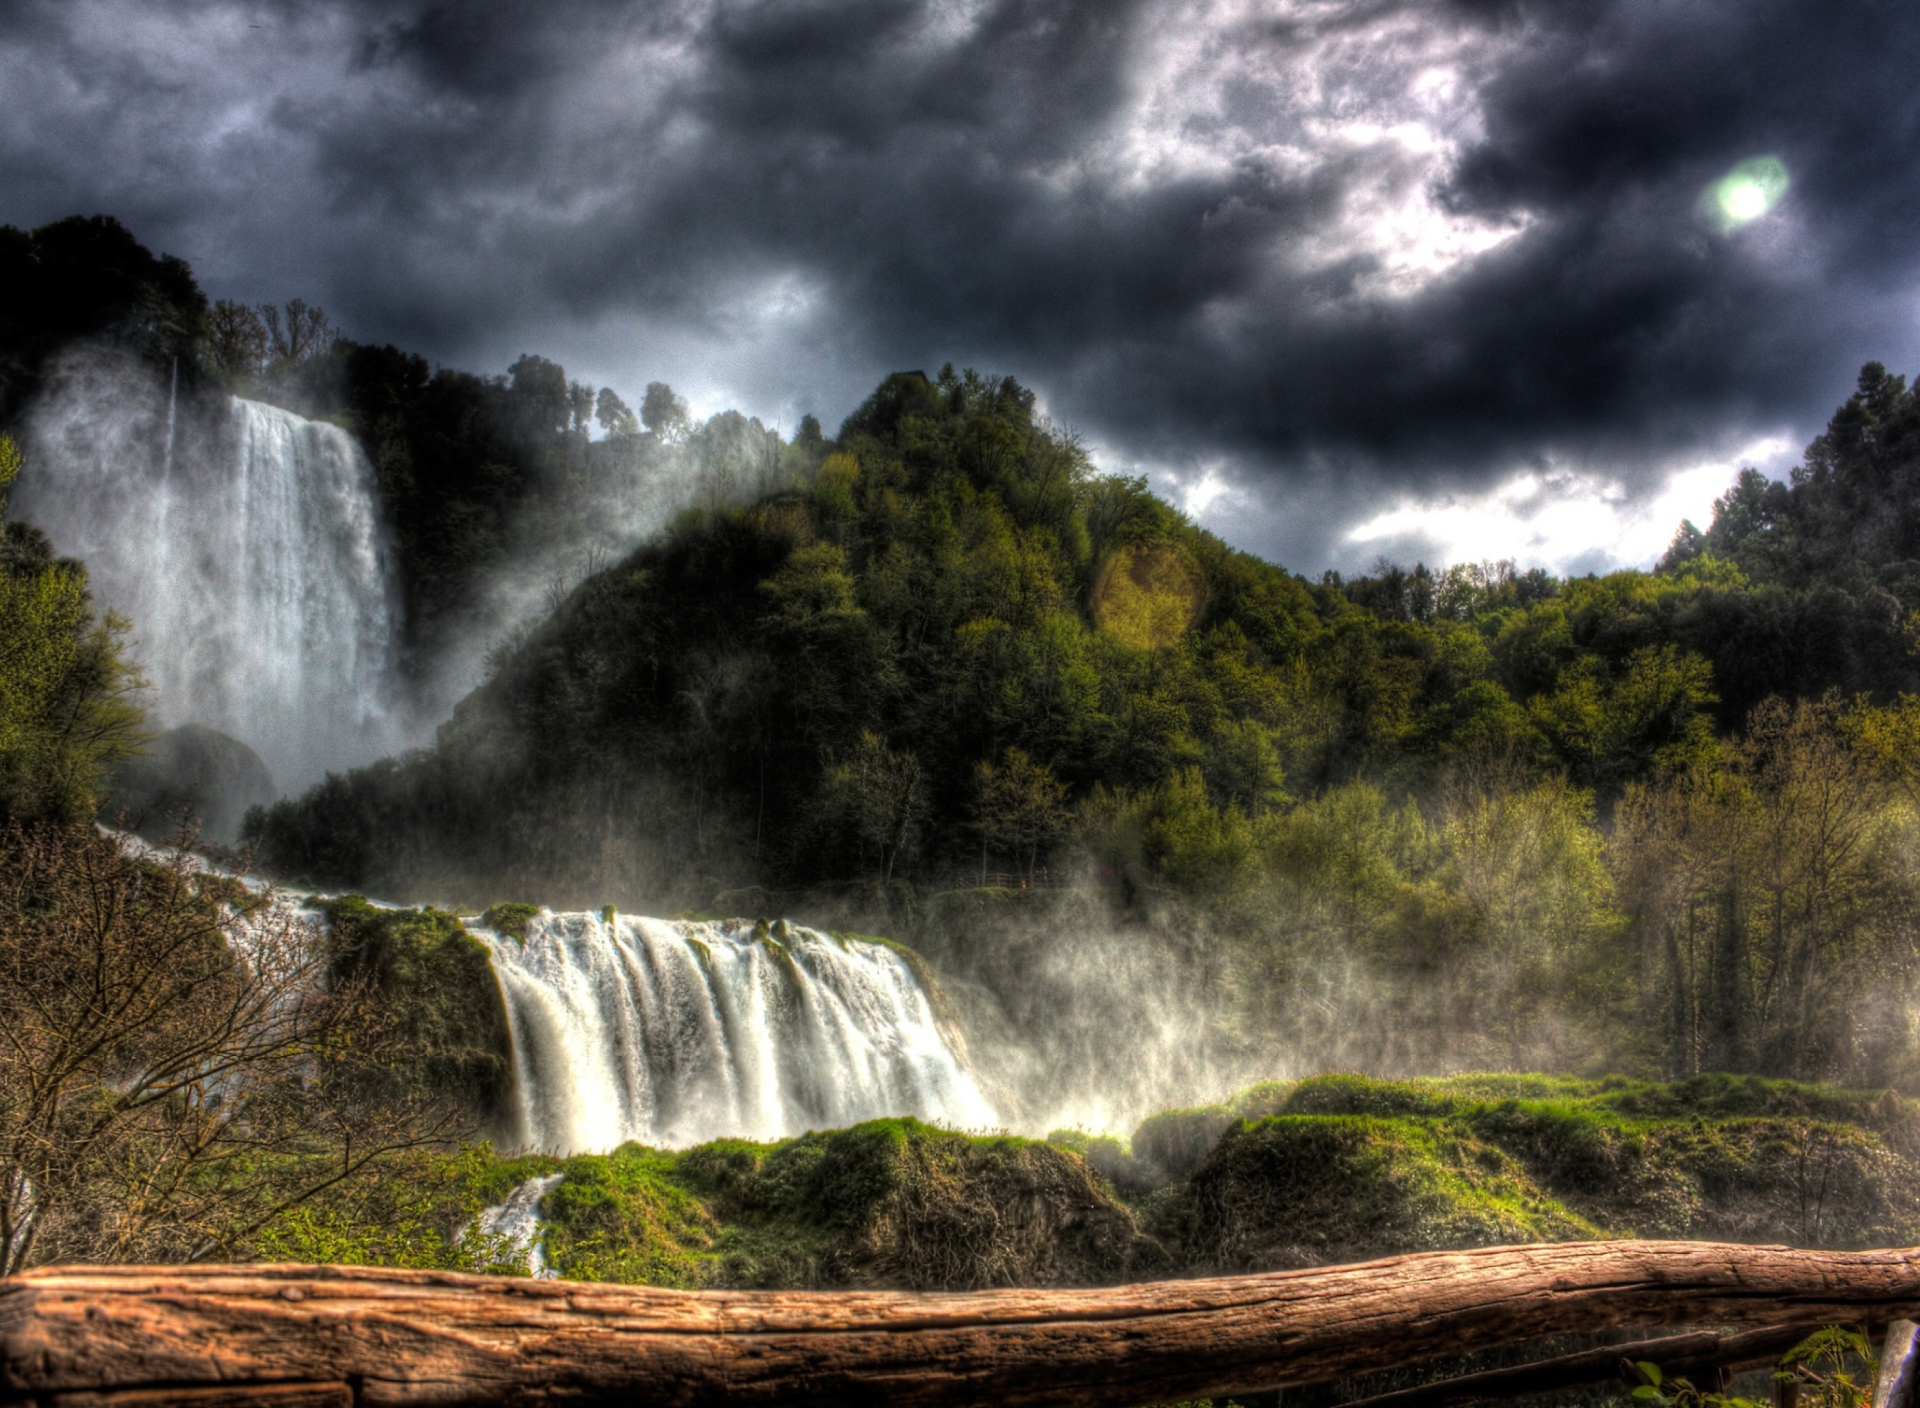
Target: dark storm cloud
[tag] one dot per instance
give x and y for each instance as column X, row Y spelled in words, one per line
column 1334, row 251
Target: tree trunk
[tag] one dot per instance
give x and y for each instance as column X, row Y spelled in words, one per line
column 340, row 1335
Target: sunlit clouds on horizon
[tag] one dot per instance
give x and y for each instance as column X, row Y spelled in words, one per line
column 1568, row 521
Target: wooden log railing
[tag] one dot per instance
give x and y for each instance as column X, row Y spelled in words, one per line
column 306, row 1336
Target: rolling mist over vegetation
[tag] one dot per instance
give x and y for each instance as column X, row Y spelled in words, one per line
column 1653, row 821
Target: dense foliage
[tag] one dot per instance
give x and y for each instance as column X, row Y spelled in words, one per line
column 1848, row 517
column 66, row 712
column 1543, row 822
column 435, row 983
column 88, row 278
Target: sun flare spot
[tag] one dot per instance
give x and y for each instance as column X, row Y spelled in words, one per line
column 1150, row 594
column 1745, row 193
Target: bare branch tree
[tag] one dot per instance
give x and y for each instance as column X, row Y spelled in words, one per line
column 176, row 1066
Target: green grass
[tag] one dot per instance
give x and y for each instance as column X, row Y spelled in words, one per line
column 1720, row 1157
column 1282, row 1174
column 1298, row 1190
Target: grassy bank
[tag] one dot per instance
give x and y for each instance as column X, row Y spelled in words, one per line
column 1284, row 1174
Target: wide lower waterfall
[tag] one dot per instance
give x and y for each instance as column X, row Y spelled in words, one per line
column 251, row 563
column 675, row 1033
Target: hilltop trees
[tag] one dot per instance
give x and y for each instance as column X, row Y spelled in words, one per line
column 1541, row 821
column 89, row 278
column 1846, row 519
column 951, row 582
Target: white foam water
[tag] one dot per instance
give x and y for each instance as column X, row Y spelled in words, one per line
column 673, row 1033
column 518, row 1220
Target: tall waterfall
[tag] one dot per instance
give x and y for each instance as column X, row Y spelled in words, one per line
column 673, row 1033
column 253, row 569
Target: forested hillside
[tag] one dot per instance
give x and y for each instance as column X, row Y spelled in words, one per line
column 1653, row 819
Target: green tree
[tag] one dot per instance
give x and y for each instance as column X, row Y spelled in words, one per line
column 1651, row 714
column 613, row 415
column 663, row 413
column 1019, row 806
column 1530, row 865
column 67, row 710
column 881, row 795
column 237, row 339
column 299, row 333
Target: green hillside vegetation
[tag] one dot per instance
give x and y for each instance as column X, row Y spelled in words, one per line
column 1655, row 822
column 435, row 981
column 1343, row 1168
column 66, row 709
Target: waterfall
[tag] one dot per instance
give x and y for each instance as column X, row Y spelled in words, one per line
column 517, row 1223
column 252, row 565
column 676, row 1033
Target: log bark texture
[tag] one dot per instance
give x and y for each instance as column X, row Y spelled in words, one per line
column 300, row 1335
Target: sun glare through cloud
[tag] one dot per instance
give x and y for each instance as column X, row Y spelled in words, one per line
column 1745, row 193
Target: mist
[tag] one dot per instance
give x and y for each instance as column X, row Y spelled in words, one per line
column 245, row 550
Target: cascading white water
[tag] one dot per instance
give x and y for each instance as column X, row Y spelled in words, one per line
column 674, row 1033
column 256, row 575
column 517, row 1221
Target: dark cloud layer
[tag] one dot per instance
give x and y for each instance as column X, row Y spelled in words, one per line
column 1332, row 252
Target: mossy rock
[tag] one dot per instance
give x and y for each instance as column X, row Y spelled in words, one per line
column 625, row 1216
column 896, row 1203
column 510, row 920
column 1736, row 1158
column 437, row 981
column 899, row 1203
column 889, row 1203
column 1806, row 1182
column 1307, row 1190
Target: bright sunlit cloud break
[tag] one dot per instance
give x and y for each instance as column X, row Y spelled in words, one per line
column 1567, row 521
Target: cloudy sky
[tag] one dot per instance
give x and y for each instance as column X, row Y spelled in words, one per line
column 1389, row 277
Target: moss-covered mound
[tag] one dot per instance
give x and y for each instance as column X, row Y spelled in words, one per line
column 1306, row 1190
column 891, row 1203
column 437, row 982
column 1334, row 1169
column 888, row 1203
column 1349, row 1166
